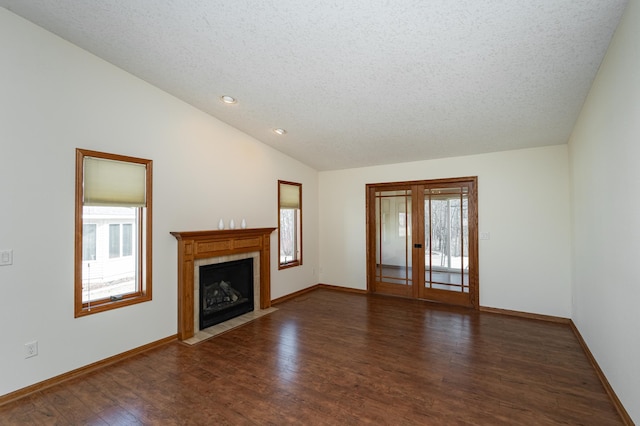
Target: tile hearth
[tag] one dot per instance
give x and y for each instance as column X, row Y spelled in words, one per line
column 223, row 327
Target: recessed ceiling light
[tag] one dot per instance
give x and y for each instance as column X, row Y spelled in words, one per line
column 279, row 131
column 228, row 99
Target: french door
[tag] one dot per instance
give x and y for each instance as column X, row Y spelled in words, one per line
column 422, row 240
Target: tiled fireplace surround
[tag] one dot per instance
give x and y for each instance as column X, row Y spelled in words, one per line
column 200, row 248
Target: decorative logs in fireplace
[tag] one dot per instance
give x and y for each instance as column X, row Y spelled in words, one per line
column 226, row 291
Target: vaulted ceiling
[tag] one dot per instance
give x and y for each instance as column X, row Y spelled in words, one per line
column 358, row 83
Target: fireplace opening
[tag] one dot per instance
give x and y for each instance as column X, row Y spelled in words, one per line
column 226, row 291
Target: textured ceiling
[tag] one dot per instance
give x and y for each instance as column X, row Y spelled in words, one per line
column 362, row 82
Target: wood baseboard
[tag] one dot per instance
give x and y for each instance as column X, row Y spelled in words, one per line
column 603, row 379
column 317, row 287
column 548, row 318
column 343, row 289
column 21, row 393
column 294, row 295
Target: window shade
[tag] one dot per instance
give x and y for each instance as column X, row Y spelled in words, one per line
column 114, row 183
column 289, row 196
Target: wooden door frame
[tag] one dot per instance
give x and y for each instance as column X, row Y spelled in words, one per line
column 370, row 190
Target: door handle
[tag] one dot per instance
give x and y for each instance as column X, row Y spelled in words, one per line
column 417, row 246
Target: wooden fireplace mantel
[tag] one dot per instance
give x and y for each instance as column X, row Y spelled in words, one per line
column 195, row 245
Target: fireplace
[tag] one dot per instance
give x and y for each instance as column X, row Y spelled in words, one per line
column 202, row 247
column 226, row 291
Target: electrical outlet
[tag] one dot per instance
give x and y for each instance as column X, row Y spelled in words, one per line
column 31, row 349
column 6, row 257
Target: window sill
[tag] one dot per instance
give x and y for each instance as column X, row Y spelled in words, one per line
column 107, row 305
column 289, row 264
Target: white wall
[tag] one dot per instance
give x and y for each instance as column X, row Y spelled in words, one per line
column 55, row 97
column 604, row 153
column 523, row 202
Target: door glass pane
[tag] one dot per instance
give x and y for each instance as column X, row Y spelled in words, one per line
column 465, row 240
column 393, row 237
column 446, row 239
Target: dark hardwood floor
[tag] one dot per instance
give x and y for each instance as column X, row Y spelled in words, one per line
column 337, row 358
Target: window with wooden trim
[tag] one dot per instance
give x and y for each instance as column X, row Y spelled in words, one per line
column 289, row 224
column 112, row 231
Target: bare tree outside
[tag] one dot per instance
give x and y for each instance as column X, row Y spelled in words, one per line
column 287, row 235
column 448, row 226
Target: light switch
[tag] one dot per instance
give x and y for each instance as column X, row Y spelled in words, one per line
column 485, row 235
column 6, row 257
